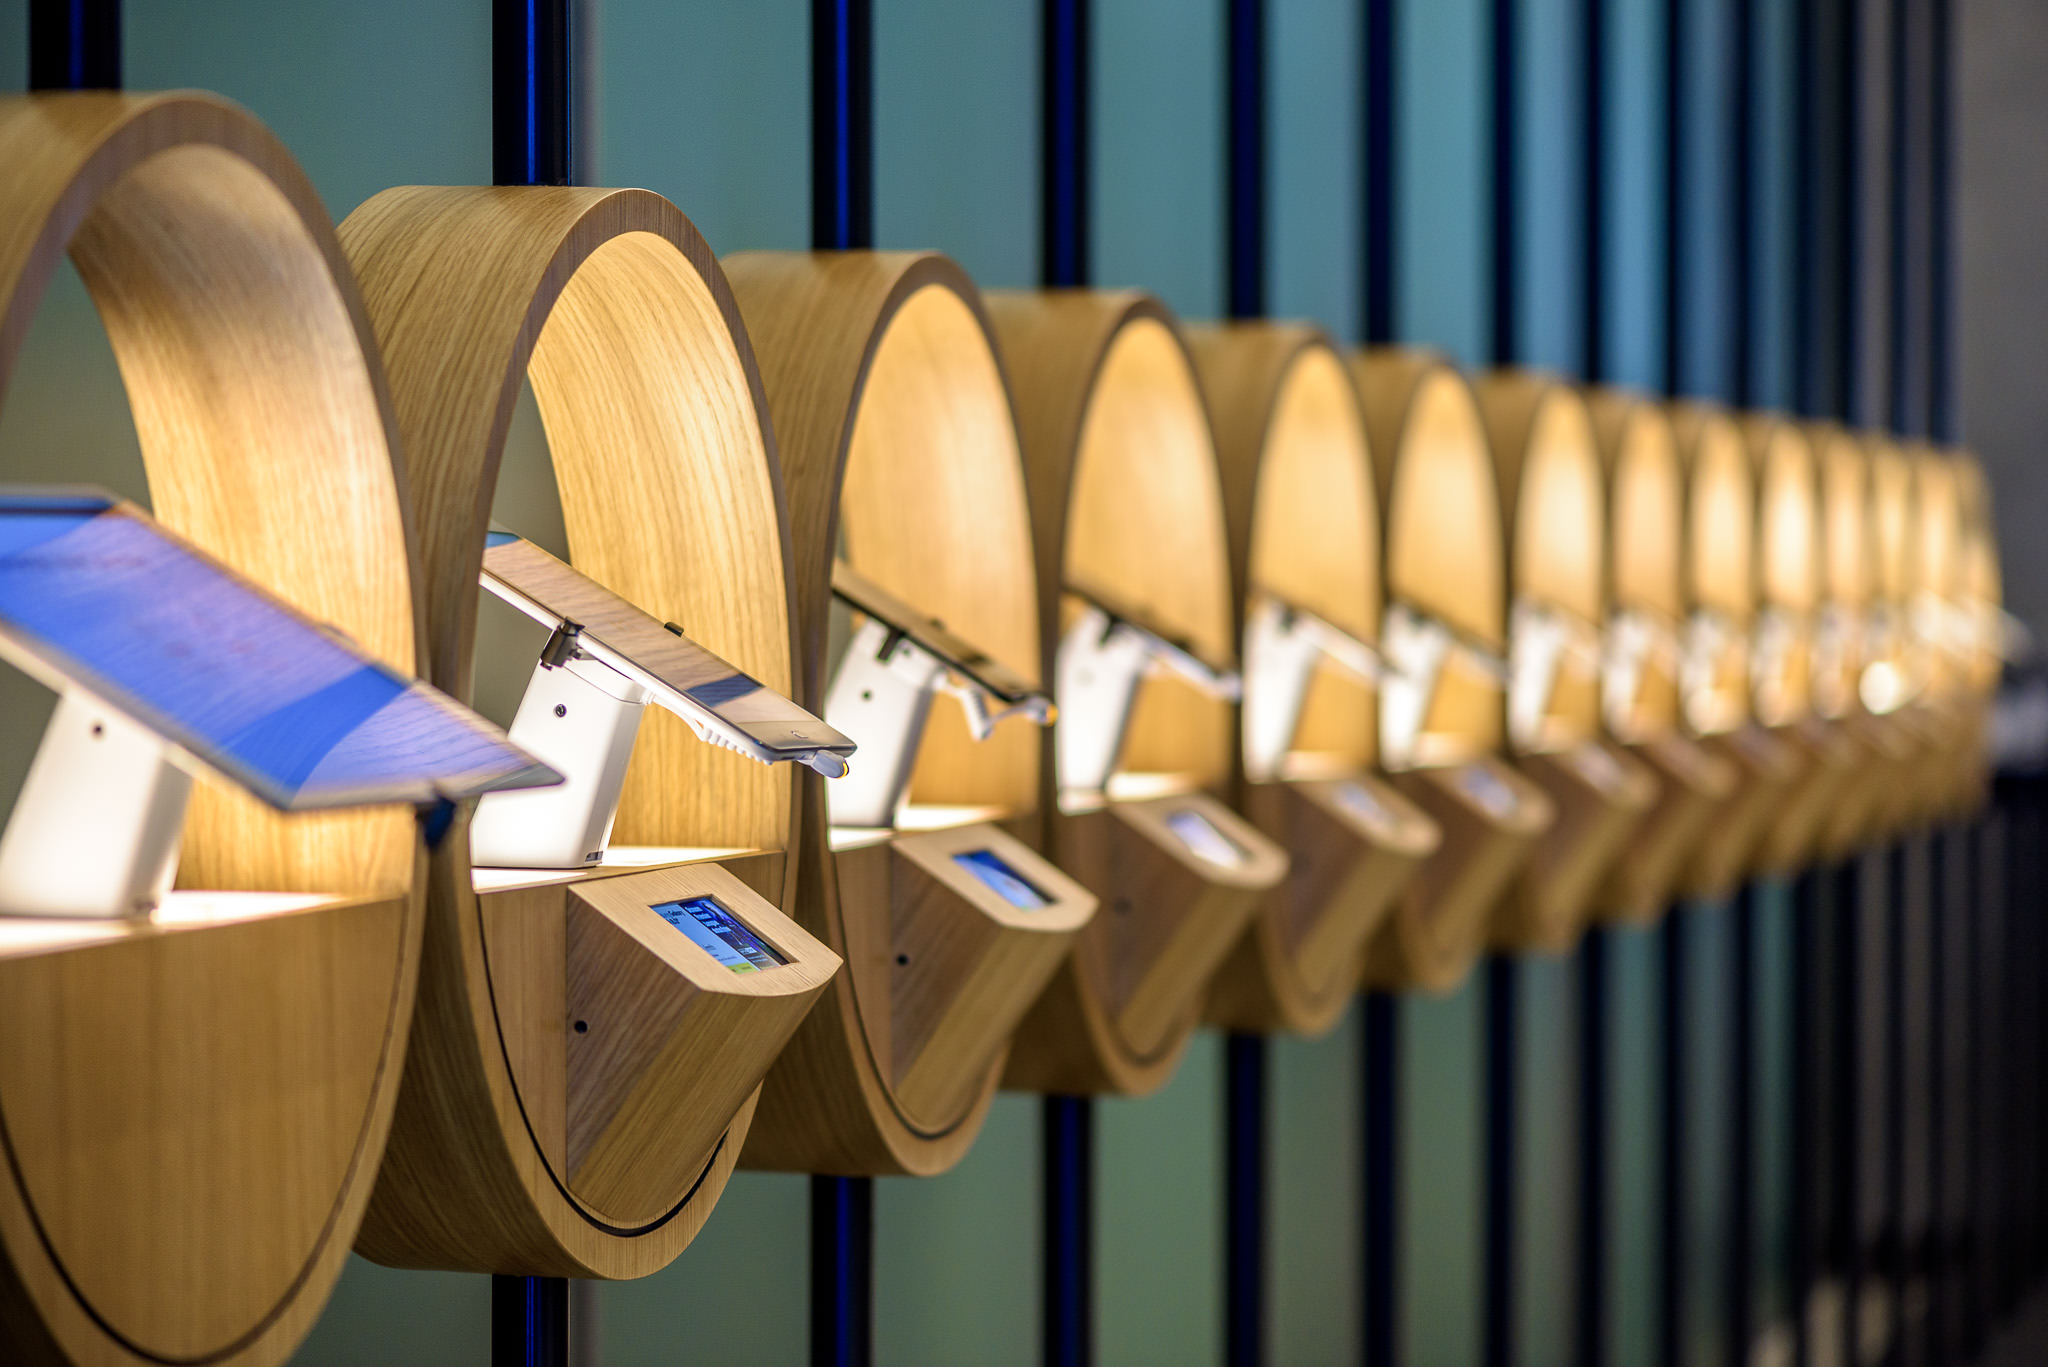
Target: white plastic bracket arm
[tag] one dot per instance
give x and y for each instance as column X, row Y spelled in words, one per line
column 1414, row 646
column 1283, row 644
column 96, row 827
column 1635, row 637
column 1542, row 639
column 580, row 716
column 1708, row 634
column 1102, row 660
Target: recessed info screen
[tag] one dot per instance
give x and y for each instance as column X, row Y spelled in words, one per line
column 709, row 926
column 1201, row 835
column 97, row 594
column 1012, row 886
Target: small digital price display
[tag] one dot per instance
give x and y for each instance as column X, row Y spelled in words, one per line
column 1358, row 800
column 1006, row 882
column 1200, row 834
column 1484, row 787
column 719, row 933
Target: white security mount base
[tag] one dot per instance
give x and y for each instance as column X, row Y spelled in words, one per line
column 1102, row 659
column 1541, row 641
column 581, row 717
column 1283, row 645
column 882, row 697
column 1414, row 645
column 95, row 831
column 1635, row 639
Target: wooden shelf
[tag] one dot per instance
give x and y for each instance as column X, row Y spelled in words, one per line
column 1303, row 523
column 1645, row 577
column 1125, row 498
column 193, row 1105
column 1447, row 554
column 1553, row 509
column 610, row 304
column 902, row 455
column 1720, row 559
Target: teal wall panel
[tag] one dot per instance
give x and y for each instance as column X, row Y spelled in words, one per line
column 1316, row 1198
column 1633, row 1140
column 1636, row 211
column 1313, row 178
column 1546, row 1213
column 1440, row 1127
column 1710, row 945
column 1443, row 176
column 1550, row 213
column 1157, row 190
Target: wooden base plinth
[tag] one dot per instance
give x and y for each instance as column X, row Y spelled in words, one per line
column 1693, row 784
column 1766, row 770
column 1116, row 1017
column 1602, row 794
column 1491, row 817
column 1352, row 846
column 1831, row 762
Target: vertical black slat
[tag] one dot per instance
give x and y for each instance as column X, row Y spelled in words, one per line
column 1975, row 890
column 1067, row 1181
column 74, row 45
column 1930, row 1262
column 1378, row 93
column 1899, row 211
column 1063, row 144
column 1808, row 295
column 1382, row 1168
column 842, row 219
column 1593, row 366
column 1589, row 1320
column 1846, row 1127
column 529, row 146
column 1743, row 1253
column 842, row 125
column 1675, row 199
column 1892, row 1242
column 530, row 92
column 1501, row 1083
column 842, row 1271
column 1244, row 1200
column 1942, row 422
column 1501, row 1100
column 1244, row 1095
column 1068, row 1332
column 529, row 1322
column 1849, row 399
column 1809, row 1097
column 1672, row 1137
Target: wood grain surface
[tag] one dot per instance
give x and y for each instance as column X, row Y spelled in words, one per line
column 902, row 455
column 610, row 304
column 192, row 1116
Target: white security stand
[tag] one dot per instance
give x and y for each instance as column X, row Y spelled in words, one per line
column 881, row 696
column 580, row 717
column 1635, row 640
column 1101, row 662
column 1707, row 637
column 1283, row 645
column 96, row 828
column 1415, row 646
column 1773, row 637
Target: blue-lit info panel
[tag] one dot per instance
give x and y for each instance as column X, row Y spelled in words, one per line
column 1205, row 838
column 1008, row 884
column 94, row 593
column 706, row 923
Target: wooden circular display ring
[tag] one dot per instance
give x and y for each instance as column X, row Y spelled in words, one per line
column 1719, row 552
column 1554, row 503
column 193, row 1110
column 902, row 456
column 1304, row 530
column 611, row 304
column 1936, row 715
column 1646, row 582
column 1125, row 499
column 1893, row 658
column 1447, row 558
column 1980, row 599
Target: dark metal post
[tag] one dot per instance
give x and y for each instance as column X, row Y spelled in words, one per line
column 529, row 146
column 1067, row 1183
column 1590, row 1318
column 1671, row 1260
column 74, row 45
column 1244, row 1122
column 842, row 219
column 529, row 1322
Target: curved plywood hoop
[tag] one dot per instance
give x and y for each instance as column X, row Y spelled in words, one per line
column 1979, row 596
column 1720, row 561
column 1939, row 716
column 1893, row 657
column 1304, row 528
column 191, row 1111
column 1447, row 555
column 1125, row 497
column 613, row 308
column 1554, row 503
column 902, row 455
column 1645, row 484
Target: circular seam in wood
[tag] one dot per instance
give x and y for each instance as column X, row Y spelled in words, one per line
column 900, row 449
column 613, row 306
column 267, row 437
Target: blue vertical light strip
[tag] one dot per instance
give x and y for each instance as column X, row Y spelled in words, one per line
column 1067, row 1332
column 74, row 44
column 1245, row 1094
